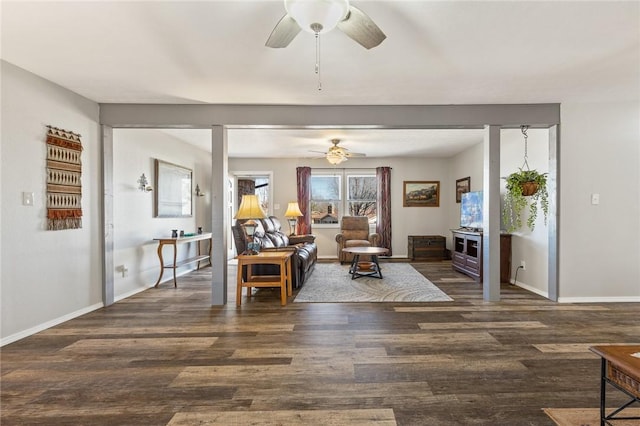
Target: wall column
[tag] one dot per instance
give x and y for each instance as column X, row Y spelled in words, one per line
column 491, row 215
column 220, row 224
column 107, row 215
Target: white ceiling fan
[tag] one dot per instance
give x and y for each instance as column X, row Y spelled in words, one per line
column 321, row 16
column 337, row 154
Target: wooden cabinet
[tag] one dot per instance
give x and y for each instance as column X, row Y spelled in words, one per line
column 466, row 255
column 427, row 247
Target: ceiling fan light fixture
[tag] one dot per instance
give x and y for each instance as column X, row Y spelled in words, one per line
column 335, row 158
column 309, row 13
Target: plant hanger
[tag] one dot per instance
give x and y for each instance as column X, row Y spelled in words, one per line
column 524, row 128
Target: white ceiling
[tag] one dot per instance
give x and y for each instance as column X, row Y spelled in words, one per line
column 436, row 52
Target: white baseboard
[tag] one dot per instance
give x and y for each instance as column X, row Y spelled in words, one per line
column 40, row 327
column 141, row 289
column 603, row 299
column 535, row 290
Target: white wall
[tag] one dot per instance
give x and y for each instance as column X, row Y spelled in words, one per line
column 405, row 220
column 600, row 244
column 134, row 224
column 532, row 247
column 47, row 277
column 467, row 163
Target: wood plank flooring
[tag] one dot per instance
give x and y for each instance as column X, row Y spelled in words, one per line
column 166, row 357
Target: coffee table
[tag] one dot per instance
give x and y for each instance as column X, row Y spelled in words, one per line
column 620, row 368
column 357, row 268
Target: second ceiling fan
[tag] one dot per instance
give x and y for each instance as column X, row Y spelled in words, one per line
column 337, row 154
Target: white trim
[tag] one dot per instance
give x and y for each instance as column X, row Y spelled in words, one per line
column 40, row 327
column 600, row 299
column 141, row 289
column 535, row 290
column 135, row 291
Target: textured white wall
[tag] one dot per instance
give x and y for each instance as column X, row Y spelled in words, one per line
column 47, row 276
column 532, row 247
column 134, row 224
column 405, row 220
column 600, row 244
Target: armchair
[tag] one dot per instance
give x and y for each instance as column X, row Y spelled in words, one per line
column 354, row 232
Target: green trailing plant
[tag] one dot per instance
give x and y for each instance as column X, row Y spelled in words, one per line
column 515, row 201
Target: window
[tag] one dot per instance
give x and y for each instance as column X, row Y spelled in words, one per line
column 325, row 199
column 361, row 196
column 328, row 205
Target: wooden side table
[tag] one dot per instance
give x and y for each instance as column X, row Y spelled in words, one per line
column 620, row 368
column 280, row 258
column 199, row 257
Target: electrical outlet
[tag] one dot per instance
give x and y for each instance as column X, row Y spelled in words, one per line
column 523, row 265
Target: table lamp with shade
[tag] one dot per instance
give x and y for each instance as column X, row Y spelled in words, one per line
column 249, row 210
column 292, row 214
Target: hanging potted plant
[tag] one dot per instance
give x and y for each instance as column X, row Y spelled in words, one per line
column 525, row 188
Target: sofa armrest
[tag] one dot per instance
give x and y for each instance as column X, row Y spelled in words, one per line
column 340, row 239
column 374, row 239
column 297, row 239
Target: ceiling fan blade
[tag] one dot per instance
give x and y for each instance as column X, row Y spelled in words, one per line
column 283, row 33
column 355, row 154
column 361, row 28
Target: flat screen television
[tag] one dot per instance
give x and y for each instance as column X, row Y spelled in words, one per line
column 471, row 210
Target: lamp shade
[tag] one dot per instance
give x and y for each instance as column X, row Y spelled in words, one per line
column 327, row 13
column 293, row 210
column 250, row 208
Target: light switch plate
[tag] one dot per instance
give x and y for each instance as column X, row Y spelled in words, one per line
column 27, row 198
column 595, row 199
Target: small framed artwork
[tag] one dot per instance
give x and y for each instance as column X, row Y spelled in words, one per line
column 462, row 185
column 421, row 194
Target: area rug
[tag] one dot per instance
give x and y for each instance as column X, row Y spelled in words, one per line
column 588, row 416
column 331, row 283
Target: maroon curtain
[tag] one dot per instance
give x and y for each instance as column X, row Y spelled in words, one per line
column 304, row 195
column 383, row 215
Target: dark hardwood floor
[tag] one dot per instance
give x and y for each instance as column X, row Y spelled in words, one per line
column 165, row 356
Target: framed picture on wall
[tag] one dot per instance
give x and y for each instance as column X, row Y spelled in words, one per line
column 172, row 193
column 462, row 185
column 421, row 194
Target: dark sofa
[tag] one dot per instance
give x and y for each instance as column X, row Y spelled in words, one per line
column 269, row 235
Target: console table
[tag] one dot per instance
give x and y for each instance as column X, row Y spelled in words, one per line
column 620, row 368
column 199, row 257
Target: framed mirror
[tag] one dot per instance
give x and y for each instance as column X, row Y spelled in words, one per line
column 172, row 193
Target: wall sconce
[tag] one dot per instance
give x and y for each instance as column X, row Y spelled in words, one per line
column 143, row 184
column 198, row 192
column 293, row 213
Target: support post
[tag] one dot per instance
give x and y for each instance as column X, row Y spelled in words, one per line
column 220, row 223
column 491, row 215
